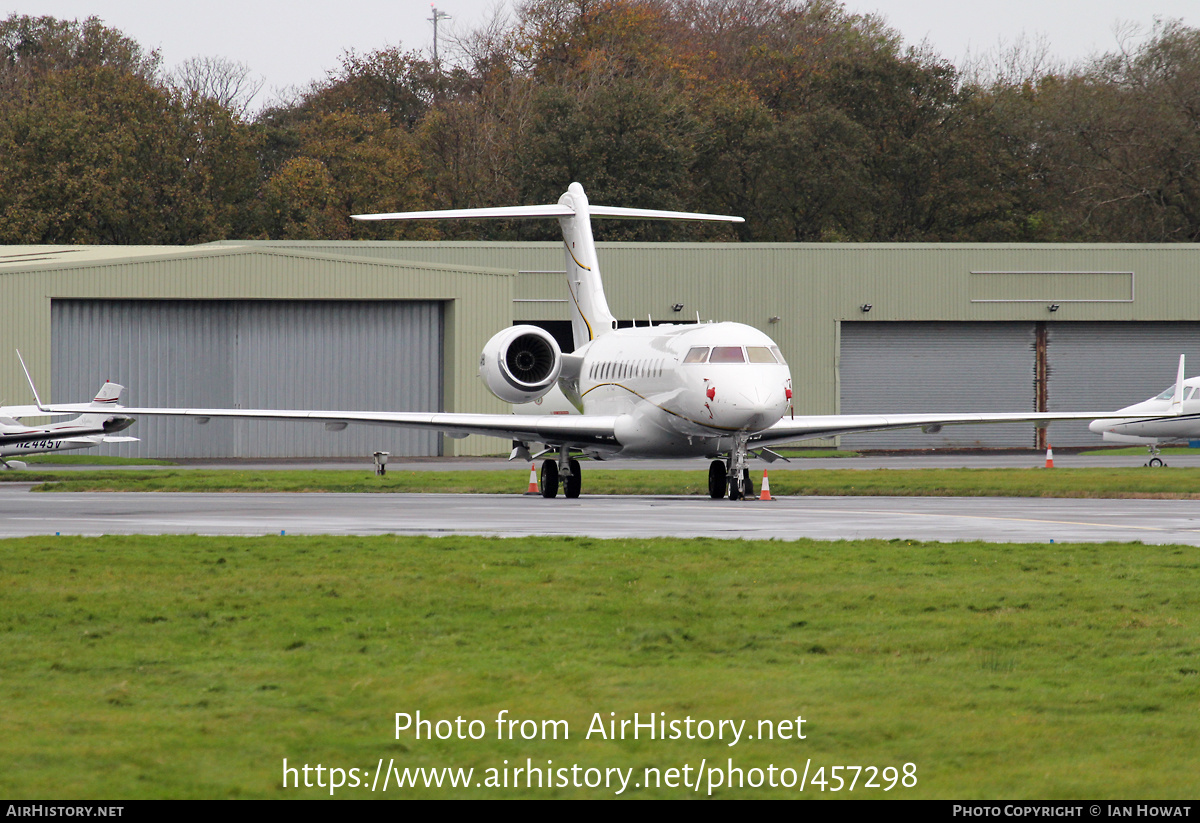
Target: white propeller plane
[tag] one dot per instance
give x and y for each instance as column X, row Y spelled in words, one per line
column 717, row 390
column 1171, row 416
column 97, row 424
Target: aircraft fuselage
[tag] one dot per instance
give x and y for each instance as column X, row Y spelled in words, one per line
column 49, row 445
column 1152, row 420
column 686, row 390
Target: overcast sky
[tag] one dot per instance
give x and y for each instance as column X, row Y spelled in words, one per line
column 291, row 43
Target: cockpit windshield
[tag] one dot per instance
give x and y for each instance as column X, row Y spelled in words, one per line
column 1170, row 393
column 727, row 354
column 734, row 354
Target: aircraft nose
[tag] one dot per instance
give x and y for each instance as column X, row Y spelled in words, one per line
column 756, row 409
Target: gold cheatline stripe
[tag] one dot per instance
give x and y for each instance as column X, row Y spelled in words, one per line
column 578, row 308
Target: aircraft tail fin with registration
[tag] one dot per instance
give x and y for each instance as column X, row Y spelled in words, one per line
column 591, row 316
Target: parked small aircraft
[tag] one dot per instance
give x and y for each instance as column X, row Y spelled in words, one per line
column 95, row 425
column 1170, row 416
column 716, row 390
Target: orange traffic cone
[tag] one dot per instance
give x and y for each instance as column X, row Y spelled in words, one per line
column 1049, row 457
column 766, row 488
column 533, row 489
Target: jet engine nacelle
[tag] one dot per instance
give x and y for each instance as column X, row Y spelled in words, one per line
column 520, row 364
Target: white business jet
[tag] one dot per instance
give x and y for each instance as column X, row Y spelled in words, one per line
column 716, row 390
column 98, row 423
column 1171, row 416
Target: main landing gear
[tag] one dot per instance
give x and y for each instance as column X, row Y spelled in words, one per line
column 732, row 475
column 564, row 470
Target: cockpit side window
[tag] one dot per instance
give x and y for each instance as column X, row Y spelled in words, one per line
column 778, row 355
column 760, row 354
column 727, row 354
column 696, row 355
column 1167, row 395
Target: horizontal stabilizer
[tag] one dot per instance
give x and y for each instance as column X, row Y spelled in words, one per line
column 553, row 210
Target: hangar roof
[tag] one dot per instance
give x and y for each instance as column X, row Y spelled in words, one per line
column 33, row 258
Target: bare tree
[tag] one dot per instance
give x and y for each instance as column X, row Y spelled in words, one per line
column 220, row 79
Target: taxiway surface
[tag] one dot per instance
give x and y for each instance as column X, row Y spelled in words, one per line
column 24, row 513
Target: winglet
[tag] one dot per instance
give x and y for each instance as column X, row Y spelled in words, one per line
column 1177, row 398
column 37, row 400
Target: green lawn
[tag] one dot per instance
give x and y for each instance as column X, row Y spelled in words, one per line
column 74, row 459
column 192, row 667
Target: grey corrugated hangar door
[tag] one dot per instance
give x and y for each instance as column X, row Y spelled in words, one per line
column 1099, row 366
column 330, row 355
column 939, row 367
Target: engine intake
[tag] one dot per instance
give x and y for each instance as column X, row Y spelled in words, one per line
column 520, row 364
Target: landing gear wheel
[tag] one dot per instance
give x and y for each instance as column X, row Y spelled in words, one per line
column 747, row 484
column 574, row 482
column 1155, row 462
column 716, row 479
column 735, row 488
column 549, row 479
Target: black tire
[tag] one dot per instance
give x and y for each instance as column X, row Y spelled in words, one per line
column 1155, row 462
column 747, row 484
column 574, row 483
column 549, row 479
column 716, row 480
column 735, row 488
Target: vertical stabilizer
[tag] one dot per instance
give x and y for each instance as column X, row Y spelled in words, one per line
column 105, row 401
column 590, row 317
column 1177, row 395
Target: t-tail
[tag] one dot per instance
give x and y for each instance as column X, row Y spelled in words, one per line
column 591, row 316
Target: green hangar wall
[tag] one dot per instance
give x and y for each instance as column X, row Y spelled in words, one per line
column 865, row 328
column 238, row 326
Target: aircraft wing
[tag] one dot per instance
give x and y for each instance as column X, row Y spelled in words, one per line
column 807, row 427
column 590, row 431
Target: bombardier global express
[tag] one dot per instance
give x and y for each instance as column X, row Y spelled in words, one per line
column 719, row 390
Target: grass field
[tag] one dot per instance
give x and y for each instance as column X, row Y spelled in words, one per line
column 71, row 458
column 1107, row 482
column 191, row 667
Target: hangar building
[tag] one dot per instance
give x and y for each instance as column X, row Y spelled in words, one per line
column 399, row 326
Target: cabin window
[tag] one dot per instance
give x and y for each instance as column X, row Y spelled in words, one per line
column 696, row 355
column 760, row 354
column 727, row 354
